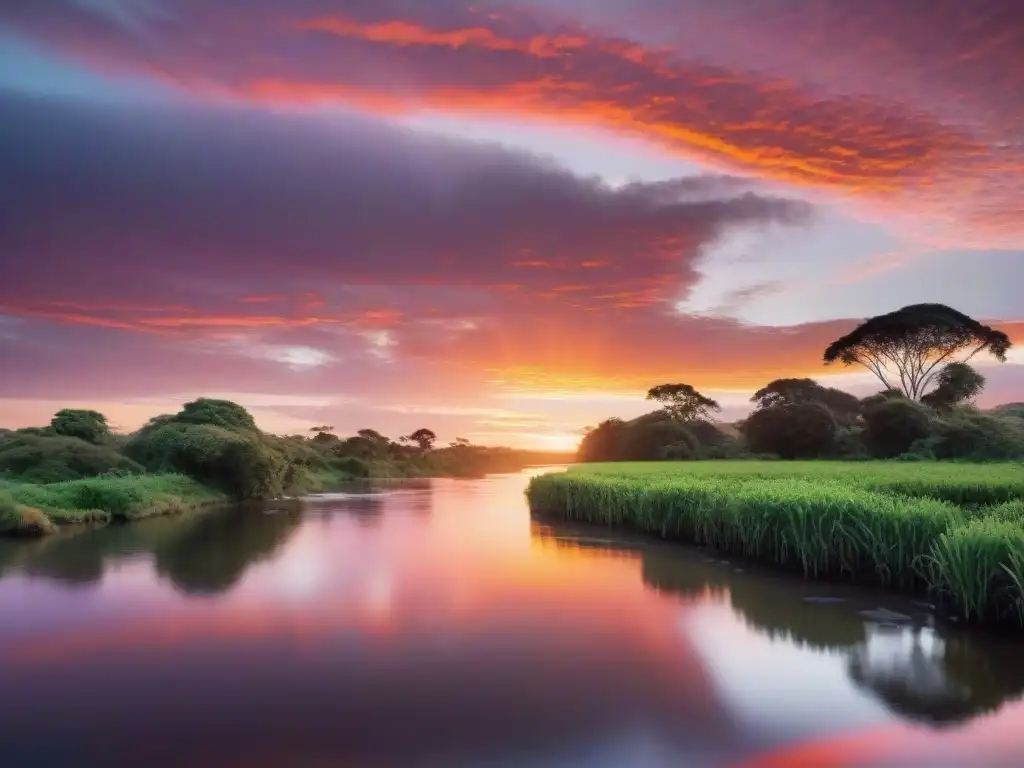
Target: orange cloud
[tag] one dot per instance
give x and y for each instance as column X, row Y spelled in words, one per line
column 406, row 33
column 176, row 319
column 718, row 114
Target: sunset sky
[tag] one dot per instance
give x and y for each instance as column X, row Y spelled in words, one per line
column 501, row 220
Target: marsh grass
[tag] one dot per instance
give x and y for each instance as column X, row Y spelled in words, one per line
column 960, row 483
column 981, row 566
column 871, row 522
column 106, row 499
column 21, row 520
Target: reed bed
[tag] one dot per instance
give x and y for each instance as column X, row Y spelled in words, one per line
column 962, row 484
column 883, row 525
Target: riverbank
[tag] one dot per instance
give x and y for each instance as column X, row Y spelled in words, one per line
column 30, row 509
column 955, row 531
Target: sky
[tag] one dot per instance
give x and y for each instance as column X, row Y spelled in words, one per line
column 501, row 220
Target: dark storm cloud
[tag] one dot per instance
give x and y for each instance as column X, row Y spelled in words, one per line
column 866, row 98
column 197, row 203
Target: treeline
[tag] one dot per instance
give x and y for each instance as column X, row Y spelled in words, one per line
column 801, row 419
column 924, row 411
column 217, row 443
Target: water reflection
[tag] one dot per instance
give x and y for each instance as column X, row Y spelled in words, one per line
column 434, row 624
column 918, row 672
column 211, row 555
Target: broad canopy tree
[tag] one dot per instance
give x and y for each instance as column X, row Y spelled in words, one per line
column 804, row 392
column 424, row 438
column 905, row 349
column 682, row 402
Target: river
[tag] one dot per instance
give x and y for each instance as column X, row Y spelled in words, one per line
column 433, row 623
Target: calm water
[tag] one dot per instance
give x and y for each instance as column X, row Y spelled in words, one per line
column 437, row 625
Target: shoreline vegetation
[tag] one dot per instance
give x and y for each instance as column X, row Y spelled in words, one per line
column 211, row 453
column 957, row 536
column 913, row 488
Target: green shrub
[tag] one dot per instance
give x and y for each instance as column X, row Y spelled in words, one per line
column 90, row 426
column 352, row 466
column 849, row 444
column 36, row 431
column 34, row 459
column 217, row 413
column 681, row 451
column 100, row 499
column 644, row 438
column 602, row 442
column 893, row 425
column 791, row 431
column 1014, row 410
column 966, row 433
column 119, row 499
column 246, row 466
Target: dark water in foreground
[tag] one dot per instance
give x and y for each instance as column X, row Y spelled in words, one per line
column 436, row 625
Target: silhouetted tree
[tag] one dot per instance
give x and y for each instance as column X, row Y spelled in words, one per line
column 802, row 391
column 915, row 341
column 682, row 402
column 601, row 443
column 791, row 430
column 324, row 435
column 892, row 426
column 424, row 438
column 958, row 384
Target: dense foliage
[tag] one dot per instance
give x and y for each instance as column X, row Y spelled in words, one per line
column 892, row 426
column 792, row 430
column 90, row 426
column 654, row 436
column 802, row 419
column 51, row 458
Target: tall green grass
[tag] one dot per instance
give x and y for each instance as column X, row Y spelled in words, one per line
column 103, row 499
column 963, row 484
column 882, row 525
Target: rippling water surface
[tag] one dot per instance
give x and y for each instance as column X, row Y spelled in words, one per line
column 432, row 623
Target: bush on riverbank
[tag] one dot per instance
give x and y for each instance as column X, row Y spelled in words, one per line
column 30, row 509
column 52, row 459
column 243, row 465
column 103, row 499
column 875, row 522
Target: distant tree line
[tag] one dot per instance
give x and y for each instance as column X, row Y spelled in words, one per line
column 218, row 443
column 925, row 411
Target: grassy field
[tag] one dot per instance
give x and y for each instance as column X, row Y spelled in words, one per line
column 956, row 530
column 29, row 508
